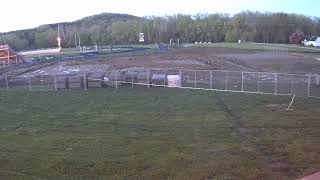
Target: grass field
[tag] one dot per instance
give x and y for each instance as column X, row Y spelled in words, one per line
column 261, row 46
column 244, row 46
column 156, row 134
column 145, row 49
column 107, row 49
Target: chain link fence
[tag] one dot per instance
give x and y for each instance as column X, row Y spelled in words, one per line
column 233, row 81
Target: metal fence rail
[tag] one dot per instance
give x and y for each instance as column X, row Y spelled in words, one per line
column 232, row 81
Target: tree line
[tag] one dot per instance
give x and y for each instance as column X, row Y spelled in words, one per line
column 112, row 29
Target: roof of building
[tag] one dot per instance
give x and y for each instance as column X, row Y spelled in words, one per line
column 311, row 38
column 315, row 176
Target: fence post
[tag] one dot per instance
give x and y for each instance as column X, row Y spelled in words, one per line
column 276, row 83
column 101, row 80
column 66, row 82
column 148, row 79
column 7, row 82
column 292, row 84
column 309, row 85
column 242, row 76
column 29, row 81
column 258, row 82
column 132, row 78
column 116, row 76
column 165, row 77
column 85, row 82
column 180, row 77
column 55, row 83
column 210, row 79
column 195, row 79
column 227, row 76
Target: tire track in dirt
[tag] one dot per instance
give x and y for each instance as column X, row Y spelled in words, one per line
column 231, row 62
column 15, row 71
column 244, row 138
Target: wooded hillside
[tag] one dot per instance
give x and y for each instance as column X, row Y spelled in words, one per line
column 106, row 29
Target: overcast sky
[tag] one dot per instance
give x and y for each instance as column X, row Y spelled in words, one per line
column 22, row 14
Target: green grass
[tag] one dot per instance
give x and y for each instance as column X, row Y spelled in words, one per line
column 106, row 49
column 118, row 50
column 260, row 46
column 156, row 134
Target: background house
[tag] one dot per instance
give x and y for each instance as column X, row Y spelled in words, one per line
column 312, row 41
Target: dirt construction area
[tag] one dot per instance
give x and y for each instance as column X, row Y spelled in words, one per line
column 193, row 59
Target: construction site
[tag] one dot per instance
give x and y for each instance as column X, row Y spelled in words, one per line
column 224, row 69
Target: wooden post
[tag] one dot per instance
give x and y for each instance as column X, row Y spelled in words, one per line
column 66, row 82
column 227, row 76
column 292, row 84
column 9, row 57
column 258, row 82
column 242, row 80
column 55, row 83
column 131, row 78
column 116, row 74
column 29, row 81
column 195, row 79
column 164, row 83
column 276, row 83
column 85, row 82
column 7, row 82
column 210, row 74
column 309, row 85
column 148, row 79
column 180, row 77
column 101, row 80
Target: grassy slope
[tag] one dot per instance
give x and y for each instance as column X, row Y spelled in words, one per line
column 152, row 48
column 260, row 46
column 107, row 49
column 157, row 133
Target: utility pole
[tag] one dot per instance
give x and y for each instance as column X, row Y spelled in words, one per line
column 79, row 40
column 75, row 40
column 5, row 38
column 100, row 38
column 59, row 39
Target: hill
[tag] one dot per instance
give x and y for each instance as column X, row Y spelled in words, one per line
column 109, row 29
column 44, row 35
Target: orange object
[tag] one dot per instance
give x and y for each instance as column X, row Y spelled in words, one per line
column 7, row 56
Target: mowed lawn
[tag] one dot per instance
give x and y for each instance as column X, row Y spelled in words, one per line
column 156, row 134
column 260, row 47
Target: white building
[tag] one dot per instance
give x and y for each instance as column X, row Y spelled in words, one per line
column 312, row 41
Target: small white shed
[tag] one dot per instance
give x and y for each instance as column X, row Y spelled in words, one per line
column 317, row 42
column 312, row 41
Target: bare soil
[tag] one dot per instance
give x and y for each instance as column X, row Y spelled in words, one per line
column 196, row 59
